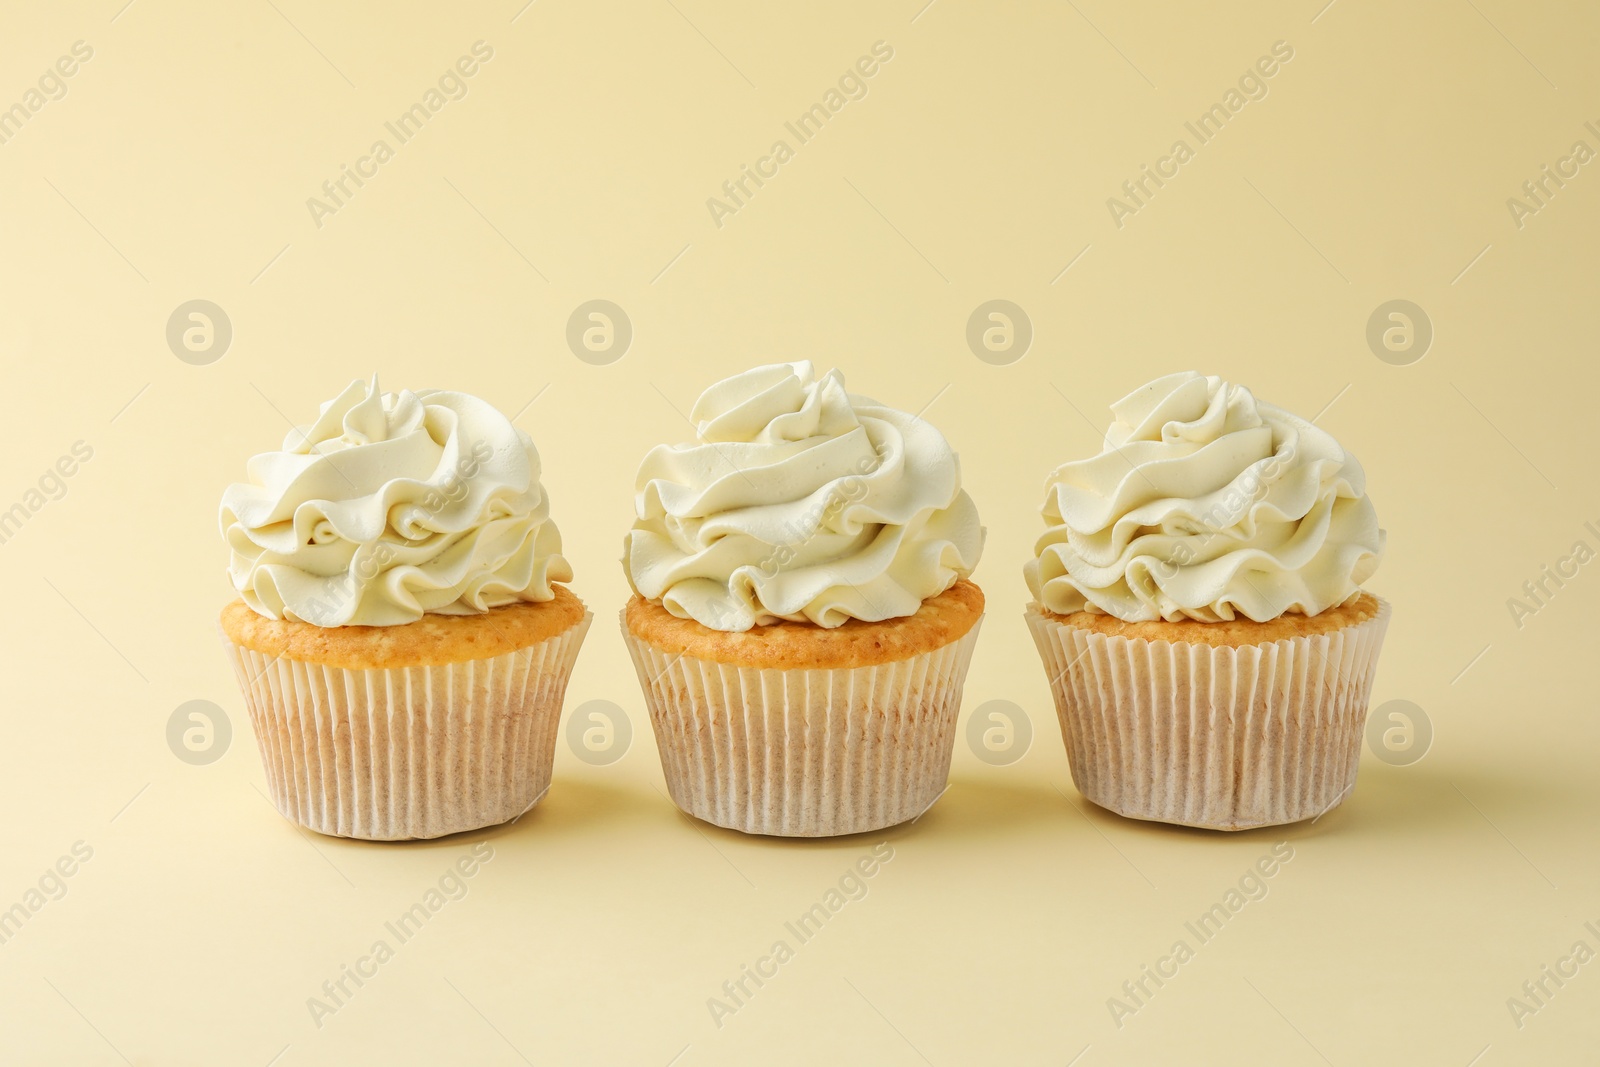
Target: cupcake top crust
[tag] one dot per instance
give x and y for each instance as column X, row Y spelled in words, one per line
column 390, row 506
column 1209, row 505
column 799, row 501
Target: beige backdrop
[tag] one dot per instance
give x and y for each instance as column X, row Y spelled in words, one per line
column 976, row 163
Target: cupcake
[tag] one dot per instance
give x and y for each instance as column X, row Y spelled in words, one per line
column 802, row 617
column 400, row 640
column 1198, row 606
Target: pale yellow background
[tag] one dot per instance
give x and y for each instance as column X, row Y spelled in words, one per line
column 977, row 167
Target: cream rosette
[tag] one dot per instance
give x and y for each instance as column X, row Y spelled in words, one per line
column 1205, row 504
column 801, row 503
column 391, row 505
column 388, row 510
column 798, row 500
column 1208, row 507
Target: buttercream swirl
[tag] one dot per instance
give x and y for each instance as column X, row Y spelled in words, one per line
column 799, row 501
column 391, row 505
column 1205, row 504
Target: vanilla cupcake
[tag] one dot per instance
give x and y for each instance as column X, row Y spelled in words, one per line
column 1198, row 606
column 802, row 620
column 400, row 640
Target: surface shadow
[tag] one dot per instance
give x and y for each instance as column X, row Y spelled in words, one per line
column 1387, row 803
column 571, row 806
column 969, row 808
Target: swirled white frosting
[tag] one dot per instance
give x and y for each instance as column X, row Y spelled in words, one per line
column 1205, row 504
column 391, row 505
column 799, row 501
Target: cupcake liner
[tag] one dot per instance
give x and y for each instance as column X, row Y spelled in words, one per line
column 1224, row 738
column 386, row 754
column 804, row 753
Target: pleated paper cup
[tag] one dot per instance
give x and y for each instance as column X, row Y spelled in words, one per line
column 386, row 754
column 1225, row 737
column 804, row 752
